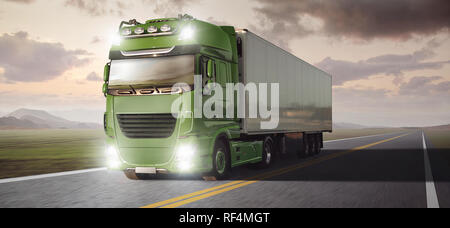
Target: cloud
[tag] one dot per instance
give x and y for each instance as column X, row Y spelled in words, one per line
column 390, row 64
column 96, row 40
column 213, row 20
column 170, row 8
column 21, row 1
column 93, row 77
column 364, row 19
column 163, row 8
column 424, row 86
column 99, row 7
column 27, row 60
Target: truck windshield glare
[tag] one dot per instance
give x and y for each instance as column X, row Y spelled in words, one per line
column 152, row 71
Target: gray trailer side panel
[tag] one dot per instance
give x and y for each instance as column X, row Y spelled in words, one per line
column 305, row 91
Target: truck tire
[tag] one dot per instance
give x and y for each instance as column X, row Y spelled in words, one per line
column 267, row 152
column 221, row 160
column 318, row 144
column 305, row 150
column 314, row 145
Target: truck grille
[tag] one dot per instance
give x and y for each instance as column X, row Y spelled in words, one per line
column 147, row 125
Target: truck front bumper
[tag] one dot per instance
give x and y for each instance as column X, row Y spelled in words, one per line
column 188, row 156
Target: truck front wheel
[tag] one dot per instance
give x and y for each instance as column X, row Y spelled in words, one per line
column 267, row 153
column 221, row 160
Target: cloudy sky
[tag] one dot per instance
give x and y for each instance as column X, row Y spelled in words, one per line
column 390, row 60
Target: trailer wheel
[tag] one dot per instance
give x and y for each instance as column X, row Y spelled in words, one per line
column 314, row 145
column 318, row 144
column 305, row 150
column 267, row 153
column 221, row 160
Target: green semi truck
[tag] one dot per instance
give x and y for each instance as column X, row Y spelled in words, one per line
column 161, row 77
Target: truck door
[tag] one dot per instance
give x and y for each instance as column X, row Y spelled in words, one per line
column 223, row 77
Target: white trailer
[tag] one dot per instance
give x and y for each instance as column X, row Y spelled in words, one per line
column 305, row 91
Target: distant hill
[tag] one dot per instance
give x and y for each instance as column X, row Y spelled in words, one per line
column 34, row 119
column 344, row 125
column 439, row 127
column 14, row 123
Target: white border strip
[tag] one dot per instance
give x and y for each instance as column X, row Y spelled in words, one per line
column 9, row 180
column 360, row 137
column 432, row 200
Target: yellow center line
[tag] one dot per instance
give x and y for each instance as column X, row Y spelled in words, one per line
column 195, row 196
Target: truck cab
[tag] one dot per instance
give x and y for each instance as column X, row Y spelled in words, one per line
column 143, row 135
column 161, row 76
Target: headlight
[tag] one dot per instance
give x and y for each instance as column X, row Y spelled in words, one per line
column 112, row 157
column 187, row 33
column 152, row 29
column 139, row 30
column 165, row 28
column 184, row 165
column 185, row 153
column 184, row 157
column 126, row 32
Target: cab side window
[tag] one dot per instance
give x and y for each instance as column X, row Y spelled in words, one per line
column 222, row 73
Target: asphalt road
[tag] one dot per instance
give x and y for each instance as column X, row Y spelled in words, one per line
column 378, row 171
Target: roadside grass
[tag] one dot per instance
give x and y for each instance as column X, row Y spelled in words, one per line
column 33, row 152
column 440, row 139
column 349, row 133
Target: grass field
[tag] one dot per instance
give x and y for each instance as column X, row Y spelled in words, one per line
column 348, row 133
column 32, row 152
column 440, row 139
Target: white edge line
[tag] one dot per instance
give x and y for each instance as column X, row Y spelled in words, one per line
column 360, row 137
column 17, row 179
column 432, row 200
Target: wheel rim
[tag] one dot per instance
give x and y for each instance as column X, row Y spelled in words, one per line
column 268, row 154
column 220, row 162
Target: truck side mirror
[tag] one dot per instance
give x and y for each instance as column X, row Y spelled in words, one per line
column 105, row 89
column 106, row 72
column 210, row 68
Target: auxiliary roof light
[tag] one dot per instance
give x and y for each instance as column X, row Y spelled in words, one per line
column 152, row 29
column 116, row 39
column 126, row 32
column 165, row 28
column 187, row 33
column 139, row 30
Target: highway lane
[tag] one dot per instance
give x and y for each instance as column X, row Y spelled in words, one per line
column 389, row 173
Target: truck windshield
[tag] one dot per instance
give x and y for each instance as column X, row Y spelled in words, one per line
column 152, row 71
